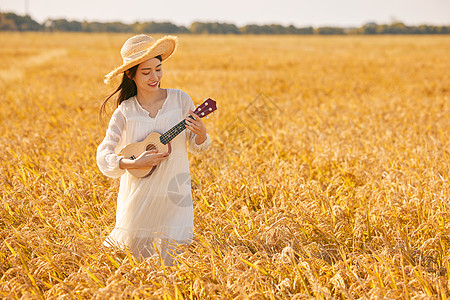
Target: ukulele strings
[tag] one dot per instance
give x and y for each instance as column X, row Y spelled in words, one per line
column 173, row 132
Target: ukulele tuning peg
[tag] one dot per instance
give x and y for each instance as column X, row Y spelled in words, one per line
column 210, row 109
column 206, row 103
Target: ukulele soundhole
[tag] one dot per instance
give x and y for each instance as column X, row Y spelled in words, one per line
column 150, row 147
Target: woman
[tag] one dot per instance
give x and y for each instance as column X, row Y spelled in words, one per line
column 154, row 211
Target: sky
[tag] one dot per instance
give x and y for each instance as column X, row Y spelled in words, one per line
column 300, row 13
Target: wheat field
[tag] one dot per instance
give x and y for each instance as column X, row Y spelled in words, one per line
column 327, row 177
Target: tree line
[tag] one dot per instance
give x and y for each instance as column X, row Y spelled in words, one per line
column 14, row 22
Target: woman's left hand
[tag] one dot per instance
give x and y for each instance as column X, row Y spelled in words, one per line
column 197, row 127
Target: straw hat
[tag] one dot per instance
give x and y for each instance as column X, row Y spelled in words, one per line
column 139, row 48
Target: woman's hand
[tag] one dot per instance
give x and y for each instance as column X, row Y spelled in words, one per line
column 146, row 160
column 197, row 127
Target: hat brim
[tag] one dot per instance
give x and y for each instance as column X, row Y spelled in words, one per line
column 164, row 46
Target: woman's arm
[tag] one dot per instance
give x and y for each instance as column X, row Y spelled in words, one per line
column 197, row 126
column 146, row 160
column 107, row 159
column 196, row 132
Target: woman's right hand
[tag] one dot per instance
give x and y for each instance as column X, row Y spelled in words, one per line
column 149, row 159
column 146, row 160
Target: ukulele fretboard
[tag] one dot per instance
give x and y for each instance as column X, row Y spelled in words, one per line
column 173, row 132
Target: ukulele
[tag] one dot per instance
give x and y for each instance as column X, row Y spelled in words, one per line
column 161, row 142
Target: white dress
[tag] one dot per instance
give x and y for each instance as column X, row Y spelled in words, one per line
column 155, row 211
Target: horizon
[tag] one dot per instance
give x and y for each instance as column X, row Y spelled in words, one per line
column 322, row 13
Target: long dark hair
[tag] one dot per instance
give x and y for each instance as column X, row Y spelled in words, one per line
column 126, row 89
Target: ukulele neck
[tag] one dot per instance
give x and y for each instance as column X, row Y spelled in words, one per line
column 173, row 132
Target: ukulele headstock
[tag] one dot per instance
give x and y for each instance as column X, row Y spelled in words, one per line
column 207, row 107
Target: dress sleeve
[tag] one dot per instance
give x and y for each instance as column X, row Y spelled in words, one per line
column 107, row 159
column 188, row 104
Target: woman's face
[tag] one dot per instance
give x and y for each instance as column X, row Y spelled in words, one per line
column 148, row 75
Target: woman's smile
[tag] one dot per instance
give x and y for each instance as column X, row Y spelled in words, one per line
column 154, row 84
